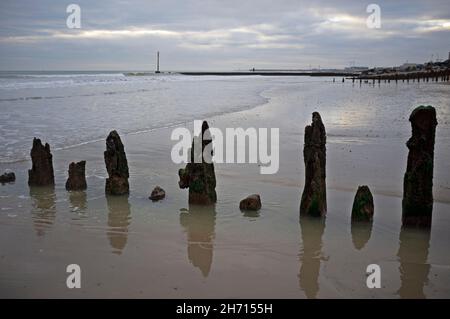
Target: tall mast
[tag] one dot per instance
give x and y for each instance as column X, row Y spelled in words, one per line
column 157, row 62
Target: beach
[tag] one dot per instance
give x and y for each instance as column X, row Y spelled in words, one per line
column 133, row 247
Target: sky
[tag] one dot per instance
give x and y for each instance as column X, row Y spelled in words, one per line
column 220, row 35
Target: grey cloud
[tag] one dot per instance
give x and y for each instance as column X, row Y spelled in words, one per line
column 213, row 34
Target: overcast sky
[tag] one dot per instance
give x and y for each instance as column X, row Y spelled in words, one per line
column 219, row 35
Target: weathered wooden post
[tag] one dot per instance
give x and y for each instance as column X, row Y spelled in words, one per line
column 417, row 201
column 199, row 175
column 116, row 166
column 314, row 198
column 41, row 172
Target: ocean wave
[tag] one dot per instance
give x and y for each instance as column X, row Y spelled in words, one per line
column 56, row 75
column 49, row 80
column 27, row 98
column 18, row 81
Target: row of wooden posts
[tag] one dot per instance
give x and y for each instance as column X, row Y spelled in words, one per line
column 417, row 202
column 199, row 177
column 431, row 76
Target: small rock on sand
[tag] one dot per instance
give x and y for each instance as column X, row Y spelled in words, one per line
column 157, row 194
column 7, row 177
column 252, row 202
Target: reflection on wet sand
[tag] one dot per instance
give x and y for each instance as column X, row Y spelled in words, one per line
column 361, row 232
column 199, row 223
column 78, row 203
column 251, row 213
column 312, row 229
column 43, row 210
column 413, row 255
column 119, row 218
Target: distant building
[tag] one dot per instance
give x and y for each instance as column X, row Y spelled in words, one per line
column 407, row 67
column 356, row 69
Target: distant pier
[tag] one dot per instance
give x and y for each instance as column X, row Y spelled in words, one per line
column 272, row 73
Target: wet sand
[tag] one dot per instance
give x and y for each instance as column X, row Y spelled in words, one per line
column 131, row 247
